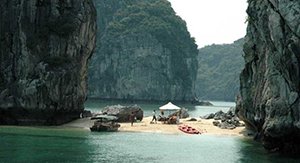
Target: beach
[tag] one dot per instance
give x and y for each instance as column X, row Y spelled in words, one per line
column 203, row 125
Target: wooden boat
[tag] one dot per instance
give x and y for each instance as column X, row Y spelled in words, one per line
column 105, row 123
column 188, row 129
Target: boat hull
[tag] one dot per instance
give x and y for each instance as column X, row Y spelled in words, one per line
column 105, row 127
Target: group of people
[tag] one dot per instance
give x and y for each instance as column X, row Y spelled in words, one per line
column 132, row 117
column 154, row 118
column 170, row 120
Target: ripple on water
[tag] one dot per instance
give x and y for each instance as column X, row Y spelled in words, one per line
column 27, row 144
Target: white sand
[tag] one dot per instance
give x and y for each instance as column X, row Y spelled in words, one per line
column 202, row 125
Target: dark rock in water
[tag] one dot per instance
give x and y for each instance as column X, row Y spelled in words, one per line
column 183, row 113
column 44, row 49
column 208, row 116
column 269, row 102
column 123, row 112
column 204, row 103
column 137, row 53
column 100, row 126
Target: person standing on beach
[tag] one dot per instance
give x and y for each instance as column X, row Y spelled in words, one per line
column 154, row 116
column 131, row 118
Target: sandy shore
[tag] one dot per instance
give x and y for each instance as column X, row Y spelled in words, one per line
column 203, row 125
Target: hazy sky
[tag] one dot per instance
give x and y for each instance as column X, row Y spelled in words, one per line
column 213, row 21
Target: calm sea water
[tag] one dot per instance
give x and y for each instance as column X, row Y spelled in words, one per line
column 194, row 111
column 53, row 144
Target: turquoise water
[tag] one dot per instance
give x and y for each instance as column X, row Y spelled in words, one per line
column 19, row 144
column 54, row 144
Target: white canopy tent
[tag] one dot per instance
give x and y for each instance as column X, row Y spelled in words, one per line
column 170, row 107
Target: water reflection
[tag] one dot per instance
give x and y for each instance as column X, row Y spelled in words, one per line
column 252, row 151
column 72, row 145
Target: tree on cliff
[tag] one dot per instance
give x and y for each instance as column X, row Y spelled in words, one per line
column 144, row 52
column 218, row 71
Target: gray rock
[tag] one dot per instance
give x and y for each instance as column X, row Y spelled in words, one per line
column 216, row 123
column 44, row 48
column 226, row 125
column 219, row 115
column 208, row 116
column 269, row 102
column 228, row 120
column 123, row 112
column 183, row 113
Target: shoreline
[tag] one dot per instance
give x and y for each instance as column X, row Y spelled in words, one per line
column 204, row 126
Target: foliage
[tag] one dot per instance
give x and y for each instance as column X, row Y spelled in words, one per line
column 149, row 17
column 155, row 17
column 219, row 69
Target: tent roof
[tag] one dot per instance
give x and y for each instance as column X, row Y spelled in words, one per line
column 169, row 106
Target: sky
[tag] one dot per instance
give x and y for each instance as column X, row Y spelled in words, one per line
column 213, row 21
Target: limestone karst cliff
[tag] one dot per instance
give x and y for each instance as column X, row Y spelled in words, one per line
column 44, row 49
column 219, row 67
column 144, row 52
column 269, row 100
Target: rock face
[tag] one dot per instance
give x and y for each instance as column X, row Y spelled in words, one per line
column 44, row 49
column 269, row 100
column 144, row 52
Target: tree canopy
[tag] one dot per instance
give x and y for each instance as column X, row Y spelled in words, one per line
column 218, row 71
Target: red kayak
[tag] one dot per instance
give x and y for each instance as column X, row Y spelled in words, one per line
column 188, row 129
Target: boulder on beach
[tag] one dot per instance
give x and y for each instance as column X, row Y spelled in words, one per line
column 219, row 115
column 183, row 112
column 208, row 116
column 123, row 112
column 226, row 120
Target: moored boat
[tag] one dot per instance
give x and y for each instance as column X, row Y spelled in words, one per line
column 105, row 123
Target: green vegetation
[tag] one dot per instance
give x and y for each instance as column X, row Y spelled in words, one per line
column 219, row 69
column 157, row 18
column 129, row 32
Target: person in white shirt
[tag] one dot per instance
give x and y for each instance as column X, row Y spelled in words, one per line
column 154, row 116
